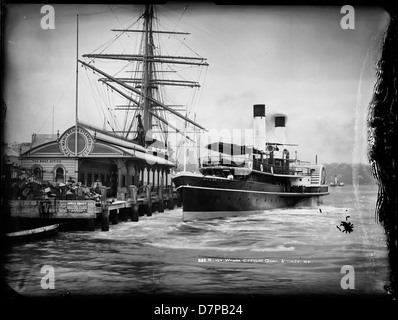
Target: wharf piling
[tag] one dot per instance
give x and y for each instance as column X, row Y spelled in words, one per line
column 160, row 195
column 104, row 215
column 130, row 203
column 139, row 204
column 113, row 214
column 134, row 203
column 148, row 200
column 170, row 200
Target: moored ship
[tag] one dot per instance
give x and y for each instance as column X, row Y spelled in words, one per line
column 336, row 183
column 244, row 179
column 126, row 161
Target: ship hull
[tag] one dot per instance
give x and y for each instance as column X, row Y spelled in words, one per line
column 186, row 178
column 202, row 202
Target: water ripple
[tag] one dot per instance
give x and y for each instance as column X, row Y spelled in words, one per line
column 281, row 251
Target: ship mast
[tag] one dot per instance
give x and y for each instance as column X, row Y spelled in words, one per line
column 146, row 83
column 147, row 66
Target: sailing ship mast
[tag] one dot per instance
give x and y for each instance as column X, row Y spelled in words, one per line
column 148, row 66
column 141, row 90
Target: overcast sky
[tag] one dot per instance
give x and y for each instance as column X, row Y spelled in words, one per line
column 295, row 60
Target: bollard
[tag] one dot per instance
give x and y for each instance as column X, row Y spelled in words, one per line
column 121, row 194
column 104, row 191
column 133, row 193
column 148, row 207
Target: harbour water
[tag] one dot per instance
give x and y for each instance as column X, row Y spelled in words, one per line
column 276, row 252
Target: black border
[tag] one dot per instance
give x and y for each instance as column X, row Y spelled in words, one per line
column 142, row 305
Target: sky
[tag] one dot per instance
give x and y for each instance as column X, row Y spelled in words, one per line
column 295, row 60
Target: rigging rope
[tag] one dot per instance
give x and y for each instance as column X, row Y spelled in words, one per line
column 107, row 44
column 129, row 115
column 56, row 104
column 92, row 91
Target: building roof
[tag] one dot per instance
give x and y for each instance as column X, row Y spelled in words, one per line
column 96, row 143
column 108, row 137
column 40, row 138
column 10, row 153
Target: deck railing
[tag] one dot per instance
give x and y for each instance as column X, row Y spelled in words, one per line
column 256, row 165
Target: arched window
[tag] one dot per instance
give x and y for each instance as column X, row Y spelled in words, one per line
column 37, row 171
column 59, row 174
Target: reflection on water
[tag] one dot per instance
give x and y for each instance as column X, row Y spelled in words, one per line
column 281, row 251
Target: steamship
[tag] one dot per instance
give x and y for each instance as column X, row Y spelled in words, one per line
column 243, row 179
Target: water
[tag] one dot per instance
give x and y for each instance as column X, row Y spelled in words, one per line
column 275, row 252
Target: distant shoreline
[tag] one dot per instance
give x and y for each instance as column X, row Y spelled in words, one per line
column 345, row 172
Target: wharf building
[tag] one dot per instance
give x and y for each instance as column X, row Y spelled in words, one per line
column 100, row 157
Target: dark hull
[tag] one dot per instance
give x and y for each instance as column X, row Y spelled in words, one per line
column 213, row 197
column 186, row 179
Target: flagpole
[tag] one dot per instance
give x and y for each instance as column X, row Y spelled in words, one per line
column 77, row 92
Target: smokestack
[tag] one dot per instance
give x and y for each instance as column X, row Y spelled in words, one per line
column 280, row 128
column 259, row 126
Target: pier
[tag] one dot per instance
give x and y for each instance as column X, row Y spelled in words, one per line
column 133, row 162
column 128, row 205
column 114, row 179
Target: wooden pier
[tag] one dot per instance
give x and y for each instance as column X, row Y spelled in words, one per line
column 129, row 204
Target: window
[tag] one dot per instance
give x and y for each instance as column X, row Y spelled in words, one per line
column 38, row 172
column 60, row 175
